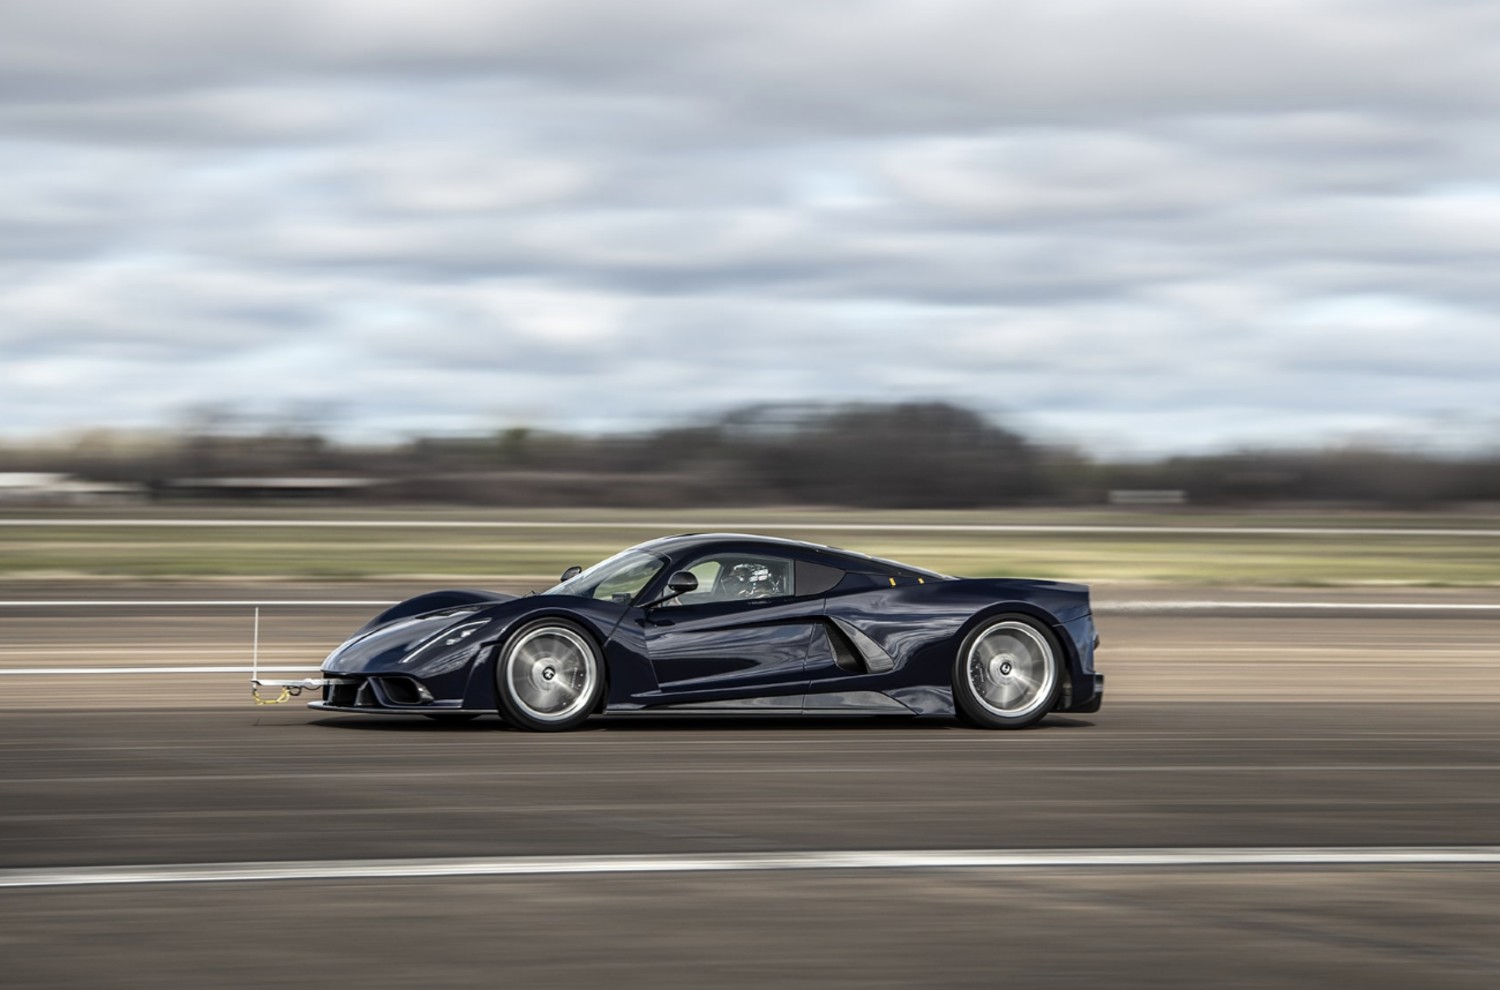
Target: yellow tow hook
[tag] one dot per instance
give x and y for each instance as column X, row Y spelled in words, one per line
column 287, row 694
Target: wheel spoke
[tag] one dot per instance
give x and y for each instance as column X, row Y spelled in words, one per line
column 1027, row 682
column 531, row 652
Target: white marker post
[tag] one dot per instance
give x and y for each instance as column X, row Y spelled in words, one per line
column 289, row 689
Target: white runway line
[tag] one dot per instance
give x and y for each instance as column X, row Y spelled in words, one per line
column 667, row 526
column 1066, row 859
column 1259, row 606
column 50, row 671
column 194, row 603
column 202, row 653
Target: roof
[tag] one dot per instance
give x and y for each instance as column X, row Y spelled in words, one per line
column 849, row 559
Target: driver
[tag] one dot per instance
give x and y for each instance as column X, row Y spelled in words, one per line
column 749, row 579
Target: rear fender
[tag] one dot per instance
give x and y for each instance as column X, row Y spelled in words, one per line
column 1065, row 635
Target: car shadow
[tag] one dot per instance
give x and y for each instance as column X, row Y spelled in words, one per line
column 692, row 723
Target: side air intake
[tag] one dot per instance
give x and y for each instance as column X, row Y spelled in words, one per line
column 876, row 660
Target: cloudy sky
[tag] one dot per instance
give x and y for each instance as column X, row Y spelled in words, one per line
column 1142, row 226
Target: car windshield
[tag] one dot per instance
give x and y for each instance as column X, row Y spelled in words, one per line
column 619, row 578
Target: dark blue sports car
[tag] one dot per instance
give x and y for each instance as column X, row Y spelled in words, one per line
column 725, row 623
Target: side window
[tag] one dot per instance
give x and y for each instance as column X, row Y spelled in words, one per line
column 816, row 579
column 739, row 577
column 707, row 573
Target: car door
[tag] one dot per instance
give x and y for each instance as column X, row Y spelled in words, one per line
column 744, row 634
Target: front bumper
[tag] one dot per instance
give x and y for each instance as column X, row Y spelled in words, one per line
column 385, row 694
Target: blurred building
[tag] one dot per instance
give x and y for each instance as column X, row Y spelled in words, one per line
column 251, row 488
column 45, row 488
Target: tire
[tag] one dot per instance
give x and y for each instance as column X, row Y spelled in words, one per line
column 1007, row 674
column 451, row 718
column 549, row 676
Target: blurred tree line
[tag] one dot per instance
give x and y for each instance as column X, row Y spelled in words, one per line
column 905, row 455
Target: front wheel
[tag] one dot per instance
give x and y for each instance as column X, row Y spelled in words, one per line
column 1007, row 674
column 549, row 676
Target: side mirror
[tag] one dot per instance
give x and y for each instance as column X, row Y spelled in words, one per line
column 680, row 583
column 571, row 573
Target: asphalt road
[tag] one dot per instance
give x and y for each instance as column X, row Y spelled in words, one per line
column 1223, row 731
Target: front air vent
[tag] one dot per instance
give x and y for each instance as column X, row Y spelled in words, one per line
column 405, row 691
column 341, row 694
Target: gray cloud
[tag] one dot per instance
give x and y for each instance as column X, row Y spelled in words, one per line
column 1156, row 226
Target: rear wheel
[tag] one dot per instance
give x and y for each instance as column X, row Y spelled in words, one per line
column 1008, row 673
column 549, row 677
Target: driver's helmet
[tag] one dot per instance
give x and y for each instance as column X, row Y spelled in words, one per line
column 749, row 580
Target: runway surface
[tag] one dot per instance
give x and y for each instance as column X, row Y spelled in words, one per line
column 1221, row 731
